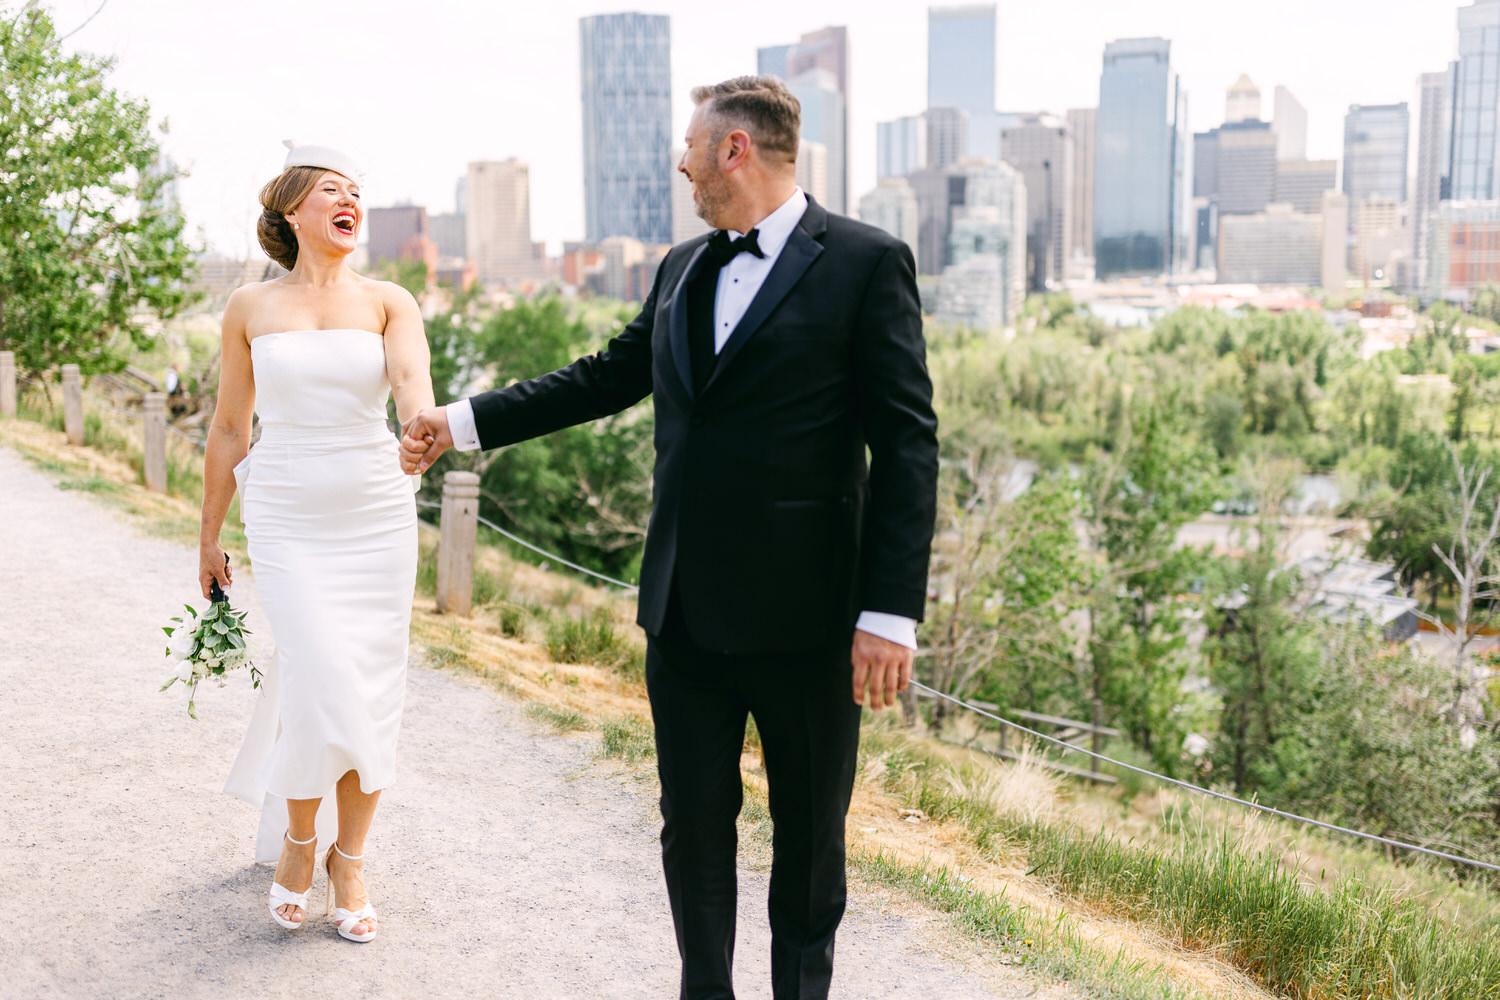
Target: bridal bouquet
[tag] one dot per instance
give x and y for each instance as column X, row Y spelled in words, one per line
column 210, row 645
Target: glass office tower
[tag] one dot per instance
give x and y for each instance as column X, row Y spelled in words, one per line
column 1141, row 162
column 626, row 64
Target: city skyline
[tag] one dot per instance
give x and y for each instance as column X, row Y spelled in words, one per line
column 465, row 85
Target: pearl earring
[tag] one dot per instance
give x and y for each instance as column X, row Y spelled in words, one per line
column 296, row 225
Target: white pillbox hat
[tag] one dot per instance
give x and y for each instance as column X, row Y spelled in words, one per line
column 322, row 156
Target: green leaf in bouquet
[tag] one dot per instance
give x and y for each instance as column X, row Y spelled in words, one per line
column 192, row 710
column 169, row 683
column 190, row 610
column 220, row 627
column 168, row 629
column 236, row 641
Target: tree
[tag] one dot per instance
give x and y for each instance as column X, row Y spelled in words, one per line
column 1474, row 563
column 1007, row 572
column 1136, row 498
column 93, row 238
column 583, row 492
column 1263, row 649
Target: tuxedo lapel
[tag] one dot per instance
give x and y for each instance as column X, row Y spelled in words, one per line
column 678, row 313
column 796, row 257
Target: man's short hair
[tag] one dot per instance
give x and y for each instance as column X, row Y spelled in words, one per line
column 761, row 105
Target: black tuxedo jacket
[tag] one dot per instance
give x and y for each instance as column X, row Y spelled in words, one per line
column 765, row 510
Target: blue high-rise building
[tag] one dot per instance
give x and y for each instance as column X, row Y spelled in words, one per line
column 1376, row 143
column 816, row 70
column 626, row 62
column 1142, row 222
column 1476, row 103
column 961, row 70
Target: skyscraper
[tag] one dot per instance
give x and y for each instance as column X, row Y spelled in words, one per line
column 627, row 123
column 1476, row 104
column 1141, row 141
column 1301, row 183
column 892, row 206
column 1242, row 101
column 1246, row 166
column 824, row 123
column 1433, row 106
column 1041, row 150
column 947, row 136
column 390, row 229
column 1081, row 121
column 498, row 222
column 1375, row 151
column 812, row 170
column 1289, row 119
column 961, row 70
column 900, row 146
column 812, row 67
column 984, row 283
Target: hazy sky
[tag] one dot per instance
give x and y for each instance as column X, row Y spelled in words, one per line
column 418, row 88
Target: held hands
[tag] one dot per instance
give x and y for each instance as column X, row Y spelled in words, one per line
column 425, row 437
column 883, row 666
column 213, row 566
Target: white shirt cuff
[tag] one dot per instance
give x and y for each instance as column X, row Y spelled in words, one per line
column 461, row 425
column 892, row 628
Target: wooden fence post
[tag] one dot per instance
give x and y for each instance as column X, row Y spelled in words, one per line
column 155, row 450
column 7, row 383
column 459, row 525
column 72, row 384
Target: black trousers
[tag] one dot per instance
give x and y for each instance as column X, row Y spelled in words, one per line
column 804, row 708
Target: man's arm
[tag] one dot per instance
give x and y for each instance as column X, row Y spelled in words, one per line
column 900, row 429
column 591, row 387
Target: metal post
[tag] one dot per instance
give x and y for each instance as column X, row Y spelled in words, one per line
column 459, row 526
column 72, row 384
column 7, row 383
column 155, row 450
column 1096, row 738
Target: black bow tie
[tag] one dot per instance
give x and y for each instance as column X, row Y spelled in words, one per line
column 723, row 249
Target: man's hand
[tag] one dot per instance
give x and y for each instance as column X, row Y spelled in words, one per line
column 425, row 437
column 883, row 666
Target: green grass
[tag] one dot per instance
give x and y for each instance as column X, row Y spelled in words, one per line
column 90, row 484
column 1015, row 935
column 1351, row 941
column 629, row 739
column 453, row 651
column 561, row 720
column 595, row 639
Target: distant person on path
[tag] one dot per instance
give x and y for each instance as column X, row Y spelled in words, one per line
column 782, row 576
column 331, row 523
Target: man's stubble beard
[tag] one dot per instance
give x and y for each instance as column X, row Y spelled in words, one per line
column 714, row 195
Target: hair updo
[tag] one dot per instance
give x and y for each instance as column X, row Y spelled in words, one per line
column 281, row 195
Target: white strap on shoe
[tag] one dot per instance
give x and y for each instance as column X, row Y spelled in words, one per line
column 350, row 919
column 346, row 857
column 301, row 843
column 282, row 896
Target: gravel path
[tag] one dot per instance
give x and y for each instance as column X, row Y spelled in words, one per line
column 505, row 862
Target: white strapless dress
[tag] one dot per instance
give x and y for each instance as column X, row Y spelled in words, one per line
column 331, row 522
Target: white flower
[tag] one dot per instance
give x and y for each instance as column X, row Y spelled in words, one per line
column 184, row 670
column 181, row 642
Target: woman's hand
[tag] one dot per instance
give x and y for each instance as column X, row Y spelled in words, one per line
column 212, row 565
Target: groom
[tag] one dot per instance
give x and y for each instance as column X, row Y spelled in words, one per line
column 783, row 574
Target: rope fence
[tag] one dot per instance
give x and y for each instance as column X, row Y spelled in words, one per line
column 1222, row 796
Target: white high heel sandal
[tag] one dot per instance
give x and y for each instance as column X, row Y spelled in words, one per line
column 347, row 920
column 282, row 896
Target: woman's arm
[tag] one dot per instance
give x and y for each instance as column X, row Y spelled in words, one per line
column 228, row 438
column 408, row 363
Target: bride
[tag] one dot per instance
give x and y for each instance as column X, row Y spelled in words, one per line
column 330, row 521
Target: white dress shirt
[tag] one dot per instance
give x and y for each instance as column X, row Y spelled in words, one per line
column 739, row 282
